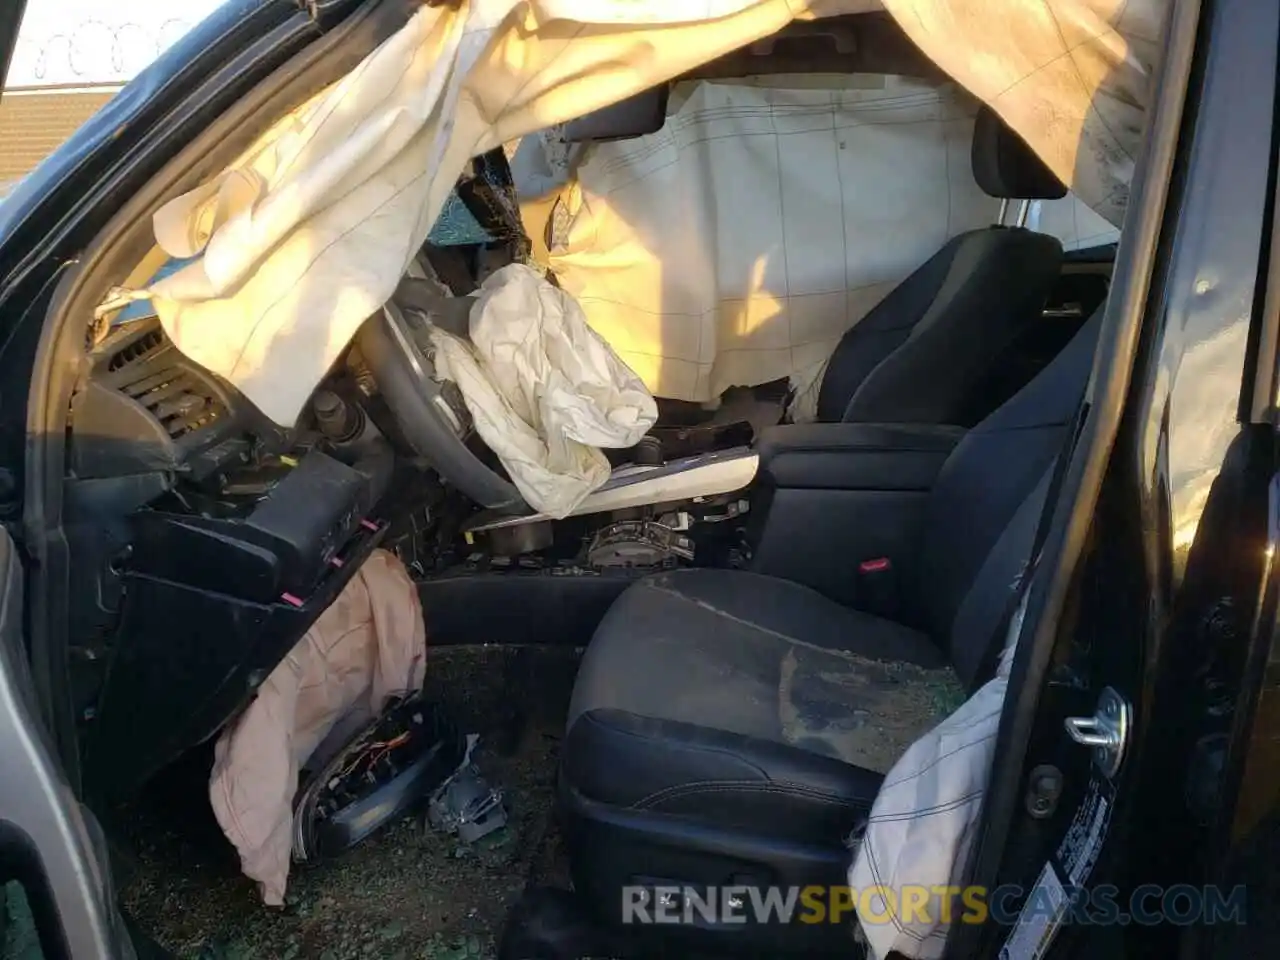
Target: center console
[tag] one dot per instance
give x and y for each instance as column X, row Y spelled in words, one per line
column 833, row 496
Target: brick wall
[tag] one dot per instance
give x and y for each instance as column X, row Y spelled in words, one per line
column 33, row 123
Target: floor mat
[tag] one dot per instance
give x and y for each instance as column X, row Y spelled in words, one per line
column 405, row 892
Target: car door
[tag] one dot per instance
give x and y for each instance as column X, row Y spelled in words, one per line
column 56, row 897
column 55, row 891
column 1124, row 810
column 1202, row 461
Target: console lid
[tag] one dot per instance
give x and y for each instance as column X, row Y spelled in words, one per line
column 855, row 456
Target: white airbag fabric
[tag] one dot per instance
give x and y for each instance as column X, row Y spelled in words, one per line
column 369, row 645
column 924, row 819
column 545, row 391
column 308, row 235
column 736, row 245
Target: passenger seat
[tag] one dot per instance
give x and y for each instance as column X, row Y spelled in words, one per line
column 918, row 356
column 729, row 728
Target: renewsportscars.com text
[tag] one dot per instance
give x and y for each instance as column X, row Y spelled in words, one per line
column 1101, row 905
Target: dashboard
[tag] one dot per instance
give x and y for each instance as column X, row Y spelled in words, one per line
column 205, row 541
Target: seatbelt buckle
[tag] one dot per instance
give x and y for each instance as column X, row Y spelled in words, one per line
column 877, row 587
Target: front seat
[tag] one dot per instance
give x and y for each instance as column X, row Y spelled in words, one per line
column 728, row 728
column 920, row 354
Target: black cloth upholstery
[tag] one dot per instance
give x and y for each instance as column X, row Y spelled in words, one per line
column 855, row 456
column 883, row 330
column 996, row 282
column 731, row 701
column 985, row 481
column 730, row 707
column 920, row 354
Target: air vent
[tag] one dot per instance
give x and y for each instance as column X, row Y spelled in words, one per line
column 151, row 371
column 145, row 407
column 178, row 398
column 136, row 350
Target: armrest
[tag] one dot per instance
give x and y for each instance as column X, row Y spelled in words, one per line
column 835, row 494
column 855, row 456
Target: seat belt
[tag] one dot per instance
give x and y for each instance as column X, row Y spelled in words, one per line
column 995, row 650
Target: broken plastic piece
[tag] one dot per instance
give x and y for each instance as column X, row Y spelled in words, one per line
column 379, row 774
column 465, row 804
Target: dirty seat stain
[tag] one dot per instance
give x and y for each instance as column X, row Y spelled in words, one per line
column 860, row 710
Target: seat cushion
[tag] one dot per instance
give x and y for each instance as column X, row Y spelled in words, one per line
column 750, row 701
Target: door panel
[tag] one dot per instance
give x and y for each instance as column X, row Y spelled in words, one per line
column 49, row 845
column 1166, row 595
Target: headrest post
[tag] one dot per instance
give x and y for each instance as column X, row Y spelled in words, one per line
column 1024, row 206
column 1004, row 209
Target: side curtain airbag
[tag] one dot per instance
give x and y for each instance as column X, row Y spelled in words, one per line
column 308, row 234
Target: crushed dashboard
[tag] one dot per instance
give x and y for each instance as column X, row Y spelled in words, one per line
column 205, row 541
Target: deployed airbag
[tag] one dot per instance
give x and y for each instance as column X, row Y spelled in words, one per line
column 305, row 237
column 369, row 645
column 739, row 243
column 922, row 824
column 545, row 391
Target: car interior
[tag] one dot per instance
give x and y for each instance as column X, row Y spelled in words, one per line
column 769, row 612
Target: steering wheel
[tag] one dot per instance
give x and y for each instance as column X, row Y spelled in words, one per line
column 394, row 344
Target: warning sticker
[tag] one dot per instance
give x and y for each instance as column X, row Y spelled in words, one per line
column 1045, row 909
column 1080, row 847
column 1039, row 920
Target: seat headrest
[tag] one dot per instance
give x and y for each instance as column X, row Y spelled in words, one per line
column 1005, row 166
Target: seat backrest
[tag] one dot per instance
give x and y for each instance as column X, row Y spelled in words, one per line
column 918, row 354
column 982, row 513
column 996, row 281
